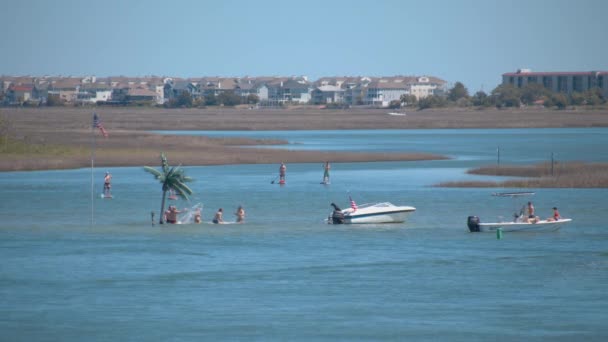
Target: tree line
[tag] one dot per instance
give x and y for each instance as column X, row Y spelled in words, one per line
column 504, row 95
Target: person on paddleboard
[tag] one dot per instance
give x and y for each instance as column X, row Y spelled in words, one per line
column 282, row 171
column 107, row 180
column 326, row 168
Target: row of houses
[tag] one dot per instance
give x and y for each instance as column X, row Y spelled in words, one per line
column 359, row 90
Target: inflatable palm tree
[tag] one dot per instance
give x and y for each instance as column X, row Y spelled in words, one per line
column 171, row 178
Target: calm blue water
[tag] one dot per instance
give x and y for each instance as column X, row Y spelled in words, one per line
column 285, row 275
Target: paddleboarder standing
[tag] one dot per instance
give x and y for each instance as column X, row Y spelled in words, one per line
column 326, row 168
column 107, row 180
column 282, row 171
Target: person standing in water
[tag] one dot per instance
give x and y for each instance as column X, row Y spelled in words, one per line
column 240, row 215
column 217, row 219
column 326, row 168
column 107, row 180
column 171, row 214
column 282, row 171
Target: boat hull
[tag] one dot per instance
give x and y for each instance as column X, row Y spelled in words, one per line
column 393, row 216
column 541, row 226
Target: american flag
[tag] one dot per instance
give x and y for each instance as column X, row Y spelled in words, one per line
column 97, row 124
column 353, row 204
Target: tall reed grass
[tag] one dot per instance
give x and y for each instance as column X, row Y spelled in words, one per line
column 563, row 175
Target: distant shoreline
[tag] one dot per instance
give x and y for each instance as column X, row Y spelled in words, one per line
column 68, row 131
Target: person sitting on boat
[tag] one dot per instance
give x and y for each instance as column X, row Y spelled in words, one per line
column 556, row 215
column 217, row 219
column 337, row 216
column 532, row 218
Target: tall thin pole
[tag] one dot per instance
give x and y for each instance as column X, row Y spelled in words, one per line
column 92, row 174
column 498, row 156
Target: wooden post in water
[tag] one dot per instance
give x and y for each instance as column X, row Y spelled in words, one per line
column 498, row 156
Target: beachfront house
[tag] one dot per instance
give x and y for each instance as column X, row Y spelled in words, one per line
column 19, row 94
column 325, row 94
column 383, row 91
column 66, row 88
column 292, row 90
column 560, row 82
column 424, row 86
column 92, row 93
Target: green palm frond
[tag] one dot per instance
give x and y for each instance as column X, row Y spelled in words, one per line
column 182, row 190
column 157, row 174
column 171, row 178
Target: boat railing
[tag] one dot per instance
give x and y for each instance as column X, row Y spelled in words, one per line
column 379, row 205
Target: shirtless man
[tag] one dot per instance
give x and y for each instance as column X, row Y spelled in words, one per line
column 531, row 215
column 217, row 219
column 171, row 214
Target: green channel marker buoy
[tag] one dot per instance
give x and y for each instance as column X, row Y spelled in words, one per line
column 499, row 233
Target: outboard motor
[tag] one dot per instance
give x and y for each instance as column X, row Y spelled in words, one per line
column 473, row 224
column 337, row 217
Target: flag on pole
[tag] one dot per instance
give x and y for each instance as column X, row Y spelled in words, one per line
column 97, row 124
column 352, row 203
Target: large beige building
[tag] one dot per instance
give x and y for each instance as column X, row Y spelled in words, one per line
column 562, row 82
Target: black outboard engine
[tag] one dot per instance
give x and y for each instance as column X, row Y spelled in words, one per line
column 473, row 223
column 337, row 217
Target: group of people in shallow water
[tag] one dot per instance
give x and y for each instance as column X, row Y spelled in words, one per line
column 170, row 215
column 218, row 218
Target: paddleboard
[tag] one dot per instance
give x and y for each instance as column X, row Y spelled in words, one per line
column 282, row 182
column 106, row 196
column 325, row 183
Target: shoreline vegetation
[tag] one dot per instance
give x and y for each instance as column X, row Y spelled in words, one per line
column 563, row 175
column 61, row 137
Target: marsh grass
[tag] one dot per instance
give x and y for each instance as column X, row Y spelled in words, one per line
column 11, row 146
column 565, row 175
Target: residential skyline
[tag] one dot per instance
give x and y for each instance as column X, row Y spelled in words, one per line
column 470, row 41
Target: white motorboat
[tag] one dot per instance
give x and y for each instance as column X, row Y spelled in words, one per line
column 519, row 223
column 384, row 212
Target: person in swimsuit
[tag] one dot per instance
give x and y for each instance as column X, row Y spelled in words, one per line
column 171, row 214
column 240, row 214
column 556, row 215
column 197, row 216
column 326, row 169
column 217, row 219
column 531, row 215
column 107, row 180
column 282, row 171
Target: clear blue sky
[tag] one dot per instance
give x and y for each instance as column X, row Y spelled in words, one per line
column 471, row 41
